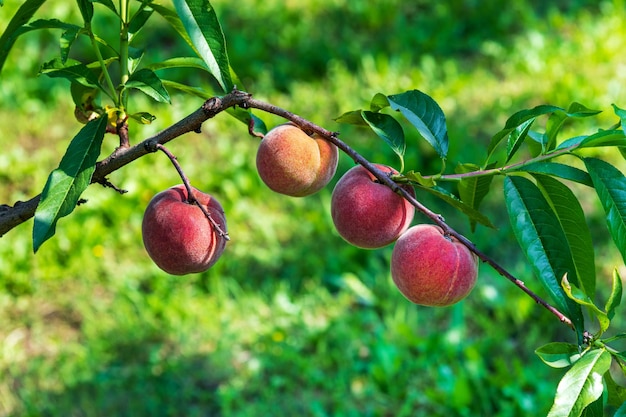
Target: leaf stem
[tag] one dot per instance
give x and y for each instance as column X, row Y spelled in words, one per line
column 105, row 71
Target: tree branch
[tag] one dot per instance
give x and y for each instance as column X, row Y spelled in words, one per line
column 22, row 211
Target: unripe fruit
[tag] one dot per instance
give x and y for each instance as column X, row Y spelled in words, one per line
column 369, row 214
column 178, row 236
column 432, row 269
column 293, row 163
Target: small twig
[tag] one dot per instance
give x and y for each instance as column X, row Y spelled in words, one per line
column 191, row 197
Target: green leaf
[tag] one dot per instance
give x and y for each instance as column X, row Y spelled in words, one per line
column 541, row 237
column 581, row 298
column 149, row 83
column 138, row 21
column 616, row 295
column 379, row 102
column 616, row 393
column 205, row 32
column 389, row 130
column 108, row 4
column 71, row 70
column 621, row 412
column 472, row 190
column 581, row 385
column 578, row 237
column 555, row 169
column 354, row 117
column 516, row 138
column 12, row 31
column 558, row 354
column 66, row 183
column 144, row 118
column 425, row 114
column 610, row 186
column 86, row 10
column 180, row 62
column 67, row 40
column 451, row 199
column 417, row 178
column 604, row 138
column 518, row 119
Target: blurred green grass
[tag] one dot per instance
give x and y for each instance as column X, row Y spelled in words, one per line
column 291, row 320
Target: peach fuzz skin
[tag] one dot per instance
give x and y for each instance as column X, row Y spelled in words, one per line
column 178, row 236
column 368, row 214
column 293, row 163
column 432, row 269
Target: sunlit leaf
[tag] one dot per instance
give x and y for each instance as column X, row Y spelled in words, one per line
column 204, row 30
column 555, row 169
column 179, row 62
column 425, row 115
column 379, row 102
column 581, row 298
column 418, row 178
column 558, row 354
column 604, row 138
column 143, row 117
column 66, row 183
column 354, row 117
column 12, row 31
column 610, row 185
column 616, row 295
column 149, row 83
column 581, row 385
column 541, row 237
column 578, row 236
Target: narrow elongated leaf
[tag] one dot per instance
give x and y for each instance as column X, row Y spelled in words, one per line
column 473, row 190
column 610, row 185
column 425, row 114
column 604, row 138
column 581, row 385
column 558, row 354
column 516, row 138
column 138, row 21
column 204, row 30
column 470, row 212
column 108, row 4
column 72, row 71
column 616, row 295
column 86, row 10
column 149, row 83
column 388, row 129
column 66, row 183
column 354, row 117
column 581, row 298
column 12, row 31
column 556, row 169
column 541, row 237
column 179, row 62
column 578, row 237
column 172, row 18
column 516, row 120
column 616, row 393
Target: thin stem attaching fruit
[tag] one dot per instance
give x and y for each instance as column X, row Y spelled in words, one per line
column 191, row 197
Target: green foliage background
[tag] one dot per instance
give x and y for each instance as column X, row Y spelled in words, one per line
column 291, row 320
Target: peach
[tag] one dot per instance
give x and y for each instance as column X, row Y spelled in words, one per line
column 432, row 269
column 366, row 213
column 178, row 236
column 293, row 163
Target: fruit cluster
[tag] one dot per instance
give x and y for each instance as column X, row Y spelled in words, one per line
column 428, row 267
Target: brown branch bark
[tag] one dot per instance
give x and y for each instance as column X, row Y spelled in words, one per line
column 10, row 217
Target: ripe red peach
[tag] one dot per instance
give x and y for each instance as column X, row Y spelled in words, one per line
column 366, row 213
column 178, row 236
column 432, row 269
column 293, row 163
